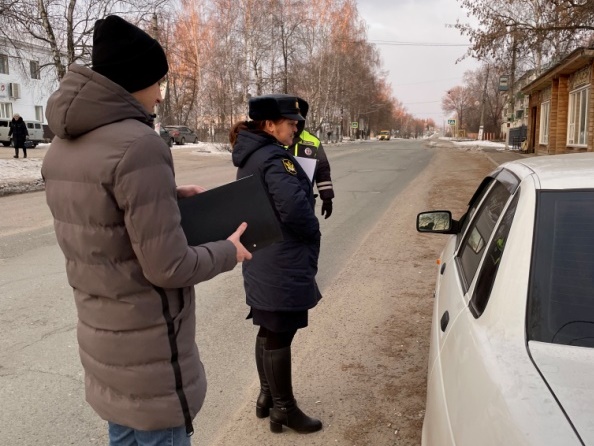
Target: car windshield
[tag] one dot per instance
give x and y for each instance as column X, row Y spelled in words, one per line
column 561, row 296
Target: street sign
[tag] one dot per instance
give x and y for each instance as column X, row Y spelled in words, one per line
column 354, row 125
column 451, row 122
column 503, row 83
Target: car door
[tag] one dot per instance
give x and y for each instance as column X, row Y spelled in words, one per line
column 459, row 266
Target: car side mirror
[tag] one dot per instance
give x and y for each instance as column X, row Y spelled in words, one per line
column 439, row 222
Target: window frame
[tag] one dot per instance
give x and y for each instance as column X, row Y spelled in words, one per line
column 543, row 137
column 4, row 64
column 540, row 297
column 39, row 113
column 6, row 110
column 511, row 183
column 581, row 108
column 34, row 69
column 477, row 308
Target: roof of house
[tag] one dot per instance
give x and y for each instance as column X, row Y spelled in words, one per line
column 575, row 60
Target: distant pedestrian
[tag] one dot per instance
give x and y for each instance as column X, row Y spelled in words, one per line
column 18, row 131
column 110, row 185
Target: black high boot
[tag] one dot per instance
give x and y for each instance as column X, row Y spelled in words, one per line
column 264, row 401
column 16, row 153
column 277, row 364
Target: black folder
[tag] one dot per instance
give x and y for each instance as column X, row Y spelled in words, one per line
column 216, row 213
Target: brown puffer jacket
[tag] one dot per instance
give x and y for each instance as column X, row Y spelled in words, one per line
column 110, row 186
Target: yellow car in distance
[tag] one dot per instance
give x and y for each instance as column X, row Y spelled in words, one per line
column 384, row 135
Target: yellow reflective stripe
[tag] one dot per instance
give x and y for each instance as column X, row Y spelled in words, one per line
column 306, row 136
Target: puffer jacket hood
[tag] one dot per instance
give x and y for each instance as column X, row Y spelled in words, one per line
column 86, row 100
column 247, row 143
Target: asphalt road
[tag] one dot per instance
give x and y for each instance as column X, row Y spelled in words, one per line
column 41, row 380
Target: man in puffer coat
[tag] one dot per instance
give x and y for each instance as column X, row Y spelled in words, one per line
column 111, row 189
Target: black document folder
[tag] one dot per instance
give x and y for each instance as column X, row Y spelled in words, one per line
column 215, row 214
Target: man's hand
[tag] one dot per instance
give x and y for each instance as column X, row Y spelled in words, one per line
column 327, row 208
column 242, row 253
column 189, row 190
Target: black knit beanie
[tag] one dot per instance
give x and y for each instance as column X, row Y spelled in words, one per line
column 127, row 55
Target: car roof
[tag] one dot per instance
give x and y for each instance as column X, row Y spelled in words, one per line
column 568, row 171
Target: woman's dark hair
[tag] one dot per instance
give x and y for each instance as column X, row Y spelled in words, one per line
column 250, row 126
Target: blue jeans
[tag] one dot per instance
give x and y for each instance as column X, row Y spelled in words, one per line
column 126, row 436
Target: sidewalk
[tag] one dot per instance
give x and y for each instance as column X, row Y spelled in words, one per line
column 494, row 151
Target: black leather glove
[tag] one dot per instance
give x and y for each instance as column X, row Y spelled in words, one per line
column 327, row 208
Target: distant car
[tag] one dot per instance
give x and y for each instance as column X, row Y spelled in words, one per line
column 166, row 136
column 511, row 358
column 182, row 134
column 384, row 135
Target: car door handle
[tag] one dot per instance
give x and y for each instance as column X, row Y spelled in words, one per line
column 445, row 320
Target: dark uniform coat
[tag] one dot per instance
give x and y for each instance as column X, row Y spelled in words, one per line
column 281, row 277
column 19, row 132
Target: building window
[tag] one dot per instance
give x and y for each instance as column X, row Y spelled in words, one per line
column 39, row 113
column 3, row 64
column 34, row 65
column 545, row 109
column 577, row 128
column 5, row 110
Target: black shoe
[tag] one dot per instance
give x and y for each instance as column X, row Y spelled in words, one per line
column 277, row 364
column 264, row 401
column 15, row 156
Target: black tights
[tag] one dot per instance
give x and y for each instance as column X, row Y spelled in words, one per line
column 274, row 340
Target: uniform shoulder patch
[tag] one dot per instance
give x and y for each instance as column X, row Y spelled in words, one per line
column 289, row 167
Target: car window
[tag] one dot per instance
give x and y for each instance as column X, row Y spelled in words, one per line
column 561, row 297
column 479, row 231
column 490, row 266
column 474, row 203
column 3, row 123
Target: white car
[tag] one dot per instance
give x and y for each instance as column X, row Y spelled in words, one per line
column 511, row 360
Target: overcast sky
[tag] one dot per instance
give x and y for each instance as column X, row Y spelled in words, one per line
column 419, row 75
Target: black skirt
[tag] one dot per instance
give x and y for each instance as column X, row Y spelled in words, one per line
column 278, row 321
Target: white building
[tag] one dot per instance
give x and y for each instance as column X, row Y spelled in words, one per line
column 27, row 79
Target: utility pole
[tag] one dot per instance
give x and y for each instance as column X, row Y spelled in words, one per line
column 512, row 99
column 482, row 124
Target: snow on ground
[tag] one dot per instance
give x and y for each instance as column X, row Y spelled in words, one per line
column 474, row 143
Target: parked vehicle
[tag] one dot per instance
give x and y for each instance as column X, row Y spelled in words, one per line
column 166, row 136
column 511, row 358
column 384, row 135
column 35, row 129
column 182, row 134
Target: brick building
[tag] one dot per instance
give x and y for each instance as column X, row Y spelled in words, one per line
column 561, row 106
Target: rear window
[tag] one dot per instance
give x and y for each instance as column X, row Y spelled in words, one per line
column 561, row 296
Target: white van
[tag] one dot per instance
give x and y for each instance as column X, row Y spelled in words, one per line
column 35, row 129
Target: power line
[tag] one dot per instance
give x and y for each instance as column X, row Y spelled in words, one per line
column 427, row 102
column 396, row 43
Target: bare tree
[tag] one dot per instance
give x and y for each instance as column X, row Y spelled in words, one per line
column 66, row 28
